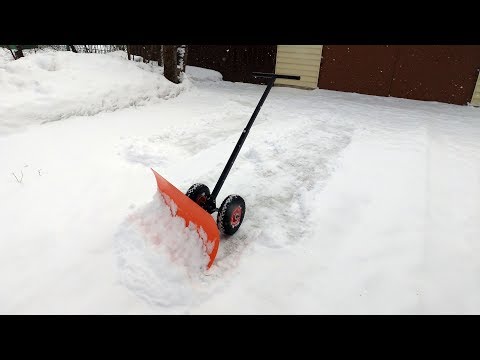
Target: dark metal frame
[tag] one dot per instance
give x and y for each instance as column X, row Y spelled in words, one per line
column 210, row 204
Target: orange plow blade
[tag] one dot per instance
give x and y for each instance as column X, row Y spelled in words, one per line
column 193, row 214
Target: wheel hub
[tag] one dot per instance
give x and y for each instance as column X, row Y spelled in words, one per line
column 201, row 200
column 236, row 216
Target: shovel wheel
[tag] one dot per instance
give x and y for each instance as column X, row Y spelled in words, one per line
column 199, row 193
column 231, row 214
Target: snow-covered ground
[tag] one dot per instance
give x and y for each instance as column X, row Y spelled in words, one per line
column 355, row 203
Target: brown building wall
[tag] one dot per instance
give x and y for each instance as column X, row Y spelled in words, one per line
column 436, row 73
column 364, row 69
column 422, row 72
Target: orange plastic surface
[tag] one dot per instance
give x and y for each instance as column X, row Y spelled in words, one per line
column 192, row 213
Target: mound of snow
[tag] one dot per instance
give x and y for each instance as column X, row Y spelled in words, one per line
column 202, row 74
column 5, row 56
column 160, row 259
column 54, row 85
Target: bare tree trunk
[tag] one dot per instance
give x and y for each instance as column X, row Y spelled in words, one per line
column 160, row 55
column 19, row 52
column 185, row 57
column 174, row 60
column 14, row 58
column 72, row 48
column 181, row 57
column 170, row 63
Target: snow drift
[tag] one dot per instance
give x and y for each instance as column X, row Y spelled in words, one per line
column 201, row 74
column 159, row 258
column 54, row 85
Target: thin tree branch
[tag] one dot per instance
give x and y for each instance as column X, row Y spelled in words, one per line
column 21, row 178
column 14, row 58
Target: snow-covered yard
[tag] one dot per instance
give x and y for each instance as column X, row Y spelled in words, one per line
column 355, row 203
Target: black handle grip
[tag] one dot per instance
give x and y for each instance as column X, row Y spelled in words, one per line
column 275, row 76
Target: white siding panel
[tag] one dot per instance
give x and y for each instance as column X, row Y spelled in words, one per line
column 302, row 60
column 298, row 55
column 476, row 93
column 287, row 60
column 299, row 49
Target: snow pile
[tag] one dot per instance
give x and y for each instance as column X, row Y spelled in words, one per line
column 54, row 85
column 201, row 74
column 5, row 55
column 160, row 259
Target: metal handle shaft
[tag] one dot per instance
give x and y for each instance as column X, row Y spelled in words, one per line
column 275, row 76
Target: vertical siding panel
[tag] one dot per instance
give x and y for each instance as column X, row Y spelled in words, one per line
column 303, row 60
column 476, row 93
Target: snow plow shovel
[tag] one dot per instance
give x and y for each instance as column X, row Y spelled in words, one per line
column 197, row 204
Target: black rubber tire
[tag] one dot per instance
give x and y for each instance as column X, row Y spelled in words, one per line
column 198, row 193
column 230, row 214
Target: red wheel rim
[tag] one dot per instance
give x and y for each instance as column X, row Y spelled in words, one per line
column 236, row 216
column 201, row 200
